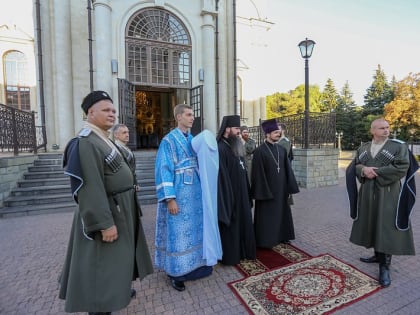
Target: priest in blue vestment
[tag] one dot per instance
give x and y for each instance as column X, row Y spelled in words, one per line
column 179, row 216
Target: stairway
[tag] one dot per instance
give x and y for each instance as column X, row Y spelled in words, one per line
column 46, row 189
column 145, row 172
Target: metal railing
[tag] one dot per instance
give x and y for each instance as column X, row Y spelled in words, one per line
column 321, row 130
column 18, row 132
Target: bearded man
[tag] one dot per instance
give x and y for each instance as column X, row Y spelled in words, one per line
column 249, row 147
column 234, row 202
column 272, row 182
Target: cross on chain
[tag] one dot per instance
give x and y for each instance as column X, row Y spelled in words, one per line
column 242, row 164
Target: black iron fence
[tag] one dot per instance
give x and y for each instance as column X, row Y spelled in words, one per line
column 321, row 130
column 18, row 132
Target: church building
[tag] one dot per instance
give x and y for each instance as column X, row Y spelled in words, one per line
column 148, row 55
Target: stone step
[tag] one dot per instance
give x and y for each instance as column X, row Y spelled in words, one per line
column 29, row 201
column 42, row 162
column 45, row 168
column 44, row 175
column 17, row 211
column 142, row 166
column 147, row 190
column 46, row 189
column 41, row 190
column 147, row 199
column 146, row 181
column 145, row 176
column 49, row 156
column 43, row 182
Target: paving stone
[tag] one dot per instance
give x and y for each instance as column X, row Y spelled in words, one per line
column 33, row 248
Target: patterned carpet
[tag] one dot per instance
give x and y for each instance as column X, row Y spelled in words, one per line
column 267, row 259
column 317, row 285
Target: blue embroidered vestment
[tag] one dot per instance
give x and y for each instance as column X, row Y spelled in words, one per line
column 179, row 238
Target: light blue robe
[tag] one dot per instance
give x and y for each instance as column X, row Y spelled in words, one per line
column 205, row 145
column 179, row 238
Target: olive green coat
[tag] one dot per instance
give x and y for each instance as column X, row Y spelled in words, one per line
column 97, row 276
column 375, row 224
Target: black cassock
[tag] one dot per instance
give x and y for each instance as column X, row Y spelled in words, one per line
column 272, row 181
column 234, row 208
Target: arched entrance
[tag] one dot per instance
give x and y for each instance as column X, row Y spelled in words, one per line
column 158, row 69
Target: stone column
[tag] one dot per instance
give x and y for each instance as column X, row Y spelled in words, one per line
column 263, row 108
column 315, row 167
column 62, row 74
column 257, row 112
column 209, row 66
column 102, row 45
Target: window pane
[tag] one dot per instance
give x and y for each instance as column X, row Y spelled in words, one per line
column 164, row 57
column 16, row 80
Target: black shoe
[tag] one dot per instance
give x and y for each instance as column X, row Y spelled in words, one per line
column 133, row 293
column 369, row 260
column 384, row 278
column 285, row 242
column 177, row 285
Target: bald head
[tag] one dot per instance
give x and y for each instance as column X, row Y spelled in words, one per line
column 379, row 129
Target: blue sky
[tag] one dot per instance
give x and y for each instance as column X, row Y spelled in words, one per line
column 352, row 38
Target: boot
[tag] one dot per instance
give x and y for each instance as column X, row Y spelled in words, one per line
column 372, row 259
column 384, row 263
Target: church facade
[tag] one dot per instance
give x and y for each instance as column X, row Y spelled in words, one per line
column 148, row 55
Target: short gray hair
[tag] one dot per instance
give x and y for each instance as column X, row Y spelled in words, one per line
column 115, row 129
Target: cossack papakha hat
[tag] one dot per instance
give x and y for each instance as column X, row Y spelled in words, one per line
column 94, row 97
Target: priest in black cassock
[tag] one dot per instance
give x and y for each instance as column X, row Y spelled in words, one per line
column 233, row 196
column 272, row 181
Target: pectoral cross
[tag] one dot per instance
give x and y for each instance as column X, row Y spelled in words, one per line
column 278, row 169
column 242, row 164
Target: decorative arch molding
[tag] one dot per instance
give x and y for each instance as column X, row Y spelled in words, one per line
column 158, row 49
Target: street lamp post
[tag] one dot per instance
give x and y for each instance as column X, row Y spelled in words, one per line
column 306, row 46
column 339, row 136
column 412, row 131
column 395, row 133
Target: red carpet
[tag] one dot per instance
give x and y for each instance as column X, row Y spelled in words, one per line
column 268, row 259
column 317, row 285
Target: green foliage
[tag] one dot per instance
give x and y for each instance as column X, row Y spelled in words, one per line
column 345, row 99
column 378, row 94
column 293, row 102
column 329, row 97
column 403, row 112
column 398, row 102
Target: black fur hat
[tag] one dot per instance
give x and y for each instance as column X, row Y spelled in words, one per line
column 94, row 97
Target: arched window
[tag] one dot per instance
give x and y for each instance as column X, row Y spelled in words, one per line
column 16, row 80
column 158, row 50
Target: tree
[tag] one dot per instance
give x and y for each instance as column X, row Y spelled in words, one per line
column 348, row 115
column 351, row 120
column 329, row 97
column 345, row 99
column 277, row 104
column 378, row 94
column 293, row 102
column 403, row 111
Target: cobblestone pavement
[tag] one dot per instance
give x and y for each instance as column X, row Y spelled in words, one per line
column 32, row 250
